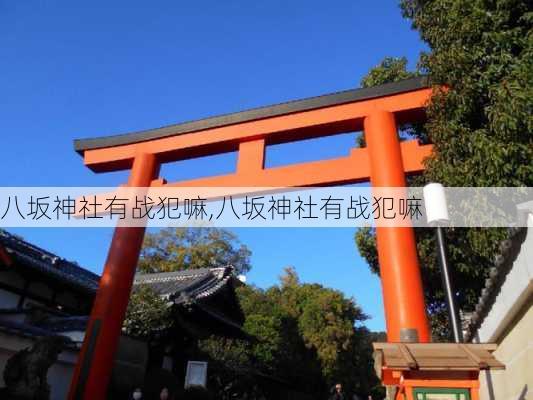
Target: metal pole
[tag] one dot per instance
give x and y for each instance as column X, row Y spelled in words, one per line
column 453, row 310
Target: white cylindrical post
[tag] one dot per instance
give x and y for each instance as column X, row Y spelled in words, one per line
column 435, row 203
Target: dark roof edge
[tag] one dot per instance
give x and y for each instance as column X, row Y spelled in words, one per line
column 503, row 263
column 150, row 277
column 49, row 263
column 310, row 103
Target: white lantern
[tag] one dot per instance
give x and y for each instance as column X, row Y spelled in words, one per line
column 435, row 202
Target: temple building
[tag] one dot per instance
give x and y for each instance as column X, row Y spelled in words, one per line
column 44, row 295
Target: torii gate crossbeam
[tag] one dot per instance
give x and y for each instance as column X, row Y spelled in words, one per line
column 385, row 162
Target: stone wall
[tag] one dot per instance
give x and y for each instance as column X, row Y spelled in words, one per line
column 516, row 351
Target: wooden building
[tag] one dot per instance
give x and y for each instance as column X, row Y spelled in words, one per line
column 42, row 294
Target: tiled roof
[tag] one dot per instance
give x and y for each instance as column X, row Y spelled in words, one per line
column 31, row 331
column 65, row 324
column 40, row 321
column 36, row 258
column 503, row 263
column 199, row 289
column 23, row 329
column 184, row 286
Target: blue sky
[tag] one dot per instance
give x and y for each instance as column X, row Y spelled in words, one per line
column 84, row 69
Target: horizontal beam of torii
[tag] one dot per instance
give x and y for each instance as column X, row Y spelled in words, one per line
column 384, row 162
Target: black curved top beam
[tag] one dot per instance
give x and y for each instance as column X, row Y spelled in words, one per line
column 347, row 96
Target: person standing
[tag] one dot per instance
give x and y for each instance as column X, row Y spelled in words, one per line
column 338, row 394
column 164, row 394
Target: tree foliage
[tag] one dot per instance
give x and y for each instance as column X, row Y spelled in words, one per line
column 177, row 249
column 308, row 334
column 480, row 126
column 147, row 314
column 390, row 69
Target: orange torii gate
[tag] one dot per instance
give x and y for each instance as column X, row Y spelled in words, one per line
column 385, row 161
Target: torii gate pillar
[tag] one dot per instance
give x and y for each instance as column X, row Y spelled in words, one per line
column 401, row 283
column 93, row 370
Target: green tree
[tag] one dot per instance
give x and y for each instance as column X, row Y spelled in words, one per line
column 147, row 314
column 390, row 69
column 174, row 250
column 325, row 318
column 482, row 51
column 306, row 333
column 177, row 249
column 481, row 125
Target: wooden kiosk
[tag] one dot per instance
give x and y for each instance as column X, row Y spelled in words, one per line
column 433, row 371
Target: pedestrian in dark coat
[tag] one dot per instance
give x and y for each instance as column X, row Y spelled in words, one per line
column 338, row 394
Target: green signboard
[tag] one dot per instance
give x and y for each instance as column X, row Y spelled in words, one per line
column 441, row 394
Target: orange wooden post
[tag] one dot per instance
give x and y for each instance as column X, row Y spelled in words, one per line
column 251, row 160
column 403, row 295
column 95, row 362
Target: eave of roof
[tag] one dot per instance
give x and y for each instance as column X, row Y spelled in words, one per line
column 196, row 283
column 347, row 96
column 23, row 329
column 65, row 324
column 196, row 288
column 503, row 263
column 32, row 332
column 48, row 263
